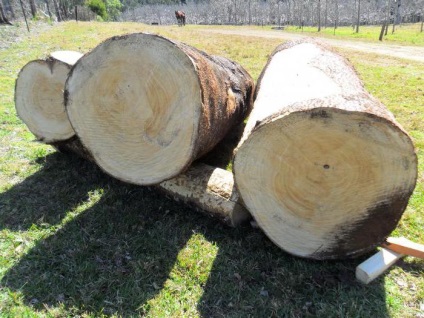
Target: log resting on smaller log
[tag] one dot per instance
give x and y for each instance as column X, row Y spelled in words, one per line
column 206, row 189
column 323, row 166
column 39, row 98
column 146, row 107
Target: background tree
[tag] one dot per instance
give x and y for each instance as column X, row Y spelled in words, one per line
column 3, row 18
column 358, row 21
column 33, row 8
column 113, row 9
column 98, row 7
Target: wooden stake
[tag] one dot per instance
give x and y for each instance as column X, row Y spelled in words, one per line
column 404, row 246
column 373, row 267
column 393, row 249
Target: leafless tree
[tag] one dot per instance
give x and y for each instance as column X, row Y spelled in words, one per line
column 358, row 21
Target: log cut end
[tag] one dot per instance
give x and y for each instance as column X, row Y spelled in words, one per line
column 135, row 102
column 39, row 99
column 326, row 183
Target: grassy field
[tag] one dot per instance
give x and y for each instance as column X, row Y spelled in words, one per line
column 77, row 243
column 408, row 34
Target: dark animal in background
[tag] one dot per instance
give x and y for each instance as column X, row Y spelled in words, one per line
column 183, row 2
column 180, row 15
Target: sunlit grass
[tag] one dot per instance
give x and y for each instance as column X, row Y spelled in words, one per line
column 404, row 34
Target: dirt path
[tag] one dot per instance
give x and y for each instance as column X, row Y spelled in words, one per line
column 415, row 53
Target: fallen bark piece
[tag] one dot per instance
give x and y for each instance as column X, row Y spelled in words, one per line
column 146, row 107
column 39, row 98
column 376, row 265
column 323, row 166
column 209, row 190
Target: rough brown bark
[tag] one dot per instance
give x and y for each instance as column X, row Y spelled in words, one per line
column 323, row 166
column 158, row 126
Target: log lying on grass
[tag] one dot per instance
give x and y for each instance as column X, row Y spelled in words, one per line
column 146, row 107
column 208, row 189
column 323, row 167
column 39, row 99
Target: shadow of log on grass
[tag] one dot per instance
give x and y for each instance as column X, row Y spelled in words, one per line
column 257, row 279
column 117, row 254
column 44, row 198
column 109, row 259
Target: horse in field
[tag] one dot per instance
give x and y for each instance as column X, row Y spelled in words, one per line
column 180, row 15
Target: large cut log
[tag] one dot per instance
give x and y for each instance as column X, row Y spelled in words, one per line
column 39, row 98
column 146, row 107
column 323, row 166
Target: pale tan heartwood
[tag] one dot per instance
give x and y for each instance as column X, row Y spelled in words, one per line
column 322, row 166
column 39, row 97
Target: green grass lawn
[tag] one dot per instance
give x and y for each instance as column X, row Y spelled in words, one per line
column 76, row 243
column 408, row 34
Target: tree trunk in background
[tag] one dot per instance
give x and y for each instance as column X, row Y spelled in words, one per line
column 354, row 15
column 63, row 9
column 24, row 14
column 395, row 16
column 422, row 21
column 250, row 13
column 358, row 21
column 326, row 14
column 383, row 27
column 235, row 11
column 10, row 8
column 48, row 8
column 289, row 14
column 56, row 8
column 336, row 13
column 319, row 15
column 323, row 167
column 3, row 19
column 147, row 107
column 387, row 17
column 33, row 8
